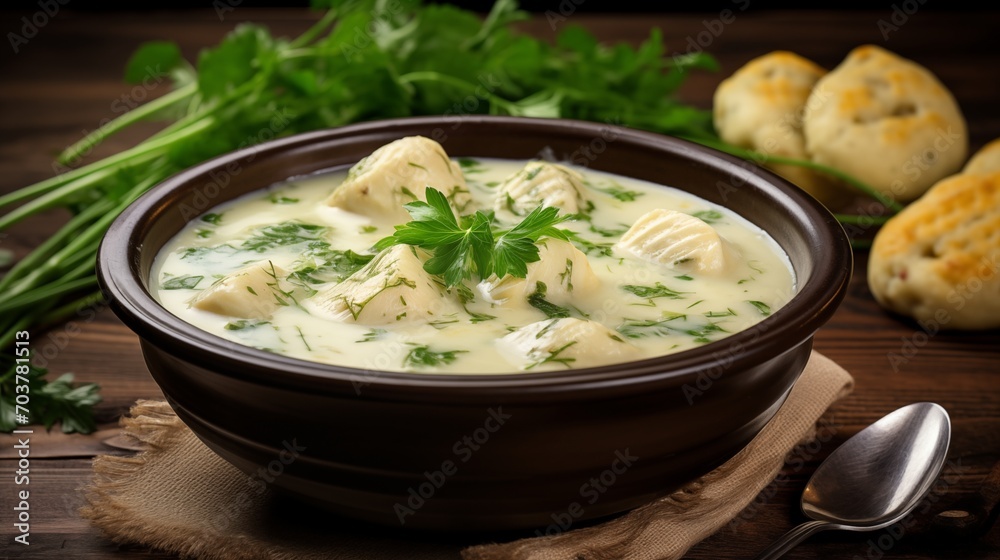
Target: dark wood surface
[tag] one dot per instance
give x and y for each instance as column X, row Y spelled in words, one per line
column 66, row 79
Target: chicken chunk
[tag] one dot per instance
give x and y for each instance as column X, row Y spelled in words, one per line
column 392, row 288
column 397, row 173
column 571, row 342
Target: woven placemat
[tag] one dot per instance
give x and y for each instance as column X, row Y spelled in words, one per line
column 179, row 497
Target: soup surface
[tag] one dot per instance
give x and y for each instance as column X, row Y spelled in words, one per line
column 648, row 270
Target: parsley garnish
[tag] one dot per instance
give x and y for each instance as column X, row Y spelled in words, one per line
column 181, row 282
column 764, row 308
column 708, row 216
column 653, row 292
column 423, row 356
column 469, row 245
column 538, row 301
column 212, row 218
column 372, row 334
column 620, row 193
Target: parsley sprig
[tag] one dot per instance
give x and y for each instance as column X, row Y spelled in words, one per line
column 57, row 401
column 469, row 244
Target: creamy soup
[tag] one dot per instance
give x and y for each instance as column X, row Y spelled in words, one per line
column 646, row 270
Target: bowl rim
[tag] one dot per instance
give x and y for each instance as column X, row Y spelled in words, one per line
column 813, row 304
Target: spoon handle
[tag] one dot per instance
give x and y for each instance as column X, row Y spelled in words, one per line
column 792, row 538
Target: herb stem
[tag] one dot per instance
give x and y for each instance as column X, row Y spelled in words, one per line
column 65, row 311
column 760, row 157
column 53, row 243
column 861, row 220
column 47, row 292
column 80, row 148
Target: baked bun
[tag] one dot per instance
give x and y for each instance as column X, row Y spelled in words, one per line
column 938, row 259
column 986, row 160
column 887, row 121
column 760, row 107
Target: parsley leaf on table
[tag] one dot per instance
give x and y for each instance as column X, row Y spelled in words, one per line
column 49, row 402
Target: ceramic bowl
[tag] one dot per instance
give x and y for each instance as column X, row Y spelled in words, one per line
column 467, row 452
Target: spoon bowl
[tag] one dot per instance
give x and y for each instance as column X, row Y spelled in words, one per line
column 876, row 477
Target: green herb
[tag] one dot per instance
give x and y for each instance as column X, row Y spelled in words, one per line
column 212, row 218
column 653, row 292
column 471, row 166
column 476, row 317
column 621, row 193
column 303, row 337
column 203, row 233
column 554, row 357
column 708, row 216
column 181, row 282
column 606, row 232
column 684, row 277
column 538, row 301
column 640, row 328
column 422, row 356
column 281, row 199
column 443, row 323
column 566, row 276
column 321, row 264
column 372, row 334
column 368, row 229
column 283, row 234
column 50, row 402
column 410, row 194
column 243, row 324
column 203, row 253
column 469, row 245
column 589, row 247
column 702, row 333
column 727, row 313
column 764, row 308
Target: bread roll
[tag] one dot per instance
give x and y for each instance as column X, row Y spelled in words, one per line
column 887, row 121
column 986, row 160
column 938, row 259
column 760, row 107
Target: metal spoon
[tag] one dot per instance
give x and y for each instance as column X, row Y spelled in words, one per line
column 876, row 477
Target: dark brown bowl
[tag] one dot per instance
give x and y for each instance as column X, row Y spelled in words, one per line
column 466, row 451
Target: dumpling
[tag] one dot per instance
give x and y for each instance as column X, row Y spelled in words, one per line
column 676, row 240
column 563, row 268
column 541, row 184
column 571, row 342
column 392, row 288
column 252, row 292
column 397, row 173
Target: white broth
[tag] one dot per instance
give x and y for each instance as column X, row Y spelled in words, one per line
column 638, row 302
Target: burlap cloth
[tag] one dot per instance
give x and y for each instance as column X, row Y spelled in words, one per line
column 180, row 497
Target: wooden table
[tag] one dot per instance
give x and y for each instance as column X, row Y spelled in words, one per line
column 67, row 79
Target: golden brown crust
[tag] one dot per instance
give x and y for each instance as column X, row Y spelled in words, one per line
column 887, row 121
column 986, row 160
column 940, row 256
column 760, row 107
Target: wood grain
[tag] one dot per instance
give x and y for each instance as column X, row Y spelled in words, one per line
column 67, row 78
